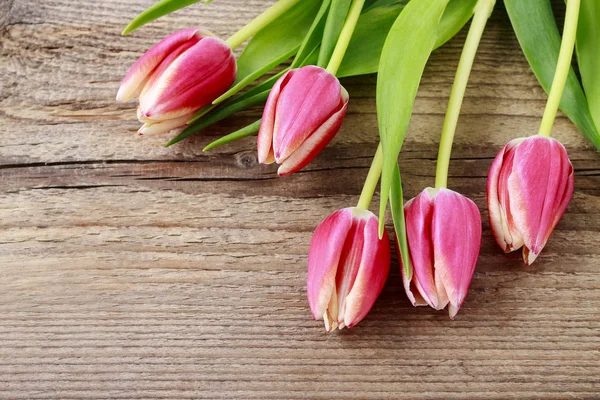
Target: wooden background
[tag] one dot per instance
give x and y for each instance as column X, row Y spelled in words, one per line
column 128, row 270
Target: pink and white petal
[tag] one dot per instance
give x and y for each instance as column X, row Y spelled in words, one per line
column 349, row 263
column 193, row 80
column 528, row 186
column 323, row 258
column 162, row 127
column 315, row 143
column 558, row 193
column 496, row 211
column 407, row 281
column 372, row 274
column 311, row 96
column 456, row 233
column 264, row 142
column 140, row 71
column 418, row 214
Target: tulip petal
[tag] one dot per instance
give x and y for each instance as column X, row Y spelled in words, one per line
column 310, row 97
column 501, row 221
column 540, row 188
column 418, row 215
column 162, row 127
column 372, row 273
column 349, row 264
column 409, row 286
column 316, row 142
column 264, row 142
column 456, row 233
column 192, row 80
column 323, row 259
column 139, row 72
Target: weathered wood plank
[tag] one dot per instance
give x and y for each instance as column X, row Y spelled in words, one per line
column 128, row 270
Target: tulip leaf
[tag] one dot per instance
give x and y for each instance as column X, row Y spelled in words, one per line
column 456, row 15
column 588, row 55
column 313, row 38
column 155, row 11
column 253, row 76
column 374, row 24
column 246, row 131
column 333, row 27
column 273, row 44
column 406, row 50
column 397, row 207
column 538, row 35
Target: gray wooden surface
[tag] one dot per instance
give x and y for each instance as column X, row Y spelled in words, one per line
column 128, row 270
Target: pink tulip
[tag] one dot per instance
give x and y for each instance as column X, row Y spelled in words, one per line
column 443, row 229
column 347, row 267
column 304, row 111
column 529, row 188
column 179, row 75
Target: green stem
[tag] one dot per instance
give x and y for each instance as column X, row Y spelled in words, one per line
column 372, row 178
column 345, row 36
column 562, row 67
column 264, row 19
column 482, row 12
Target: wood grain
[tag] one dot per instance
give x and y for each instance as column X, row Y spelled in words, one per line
column 132, row 271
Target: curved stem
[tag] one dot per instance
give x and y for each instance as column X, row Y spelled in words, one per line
column 264, row 19
column 483, row 10
column 372, row 178
column 345, row 36
column 562, row 67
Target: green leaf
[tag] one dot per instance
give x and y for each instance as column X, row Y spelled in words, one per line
column 456, row 15
column 405, row 53
column 364, row 51
column 246, row 131
column 588, row 55
column 155, row 11
column 397, row 207
column 314, row 36
column 245, row 81
column 535, row 27
column 219, row 115
column 333, row 27
column 273, row 44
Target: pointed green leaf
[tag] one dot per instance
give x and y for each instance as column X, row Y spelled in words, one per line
column 242, row 83
column 312, row 40
column 535, row 27
column 364, row 51
column 333, row 27
column 246, row 131
column 397, row 207
column 273, row 44
column 405, row 53
column 155, row 11
column 588, row 55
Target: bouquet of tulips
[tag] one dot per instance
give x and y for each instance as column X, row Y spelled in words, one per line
column 294, row 53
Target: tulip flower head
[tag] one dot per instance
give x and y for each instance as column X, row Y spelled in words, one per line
column 529, row 188
column 304, row 111
column 347, row 267
column 179, row 75
column 443, row 229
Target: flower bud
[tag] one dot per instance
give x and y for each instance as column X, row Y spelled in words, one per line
column 179, row 75
column 529, row 187
column 304, row 111
column 347, row 267
column 443, row 229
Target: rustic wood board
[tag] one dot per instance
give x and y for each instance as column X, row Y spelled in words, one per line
column 128, row 270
